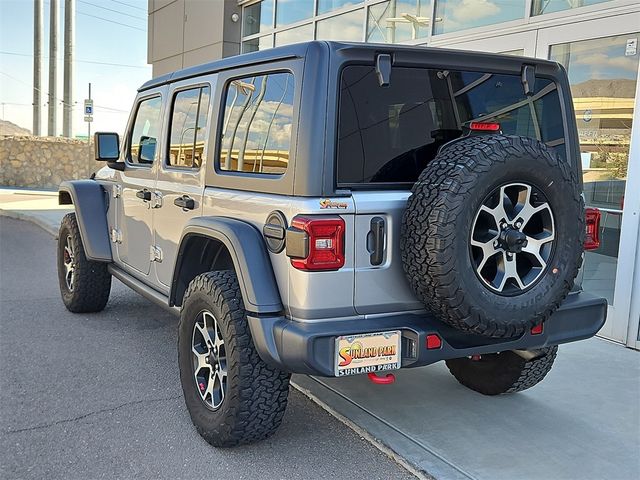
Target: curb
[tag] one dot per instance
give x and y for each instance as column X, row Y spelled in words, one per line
column 18, row 215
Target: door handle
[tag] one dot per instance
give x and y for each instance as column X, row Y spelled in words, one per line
column 185, row 202
column 144, row 195
column 375, row 240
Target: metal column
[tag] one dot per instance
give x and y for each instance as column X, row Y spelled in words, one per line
column 38, row 11
column 53, row 70
column 69, row 46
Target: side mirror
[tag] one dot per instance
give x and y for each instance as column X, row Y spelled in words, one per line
column 107, row 146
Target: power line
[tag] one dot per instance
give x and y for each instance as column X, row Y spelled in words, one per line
column 79, row 61
column 112, row 10
column 129, row 5
column 110, row 21
column 58, row 99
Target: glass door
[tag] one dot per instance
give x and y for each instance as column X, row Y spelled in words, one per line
column 601, row 58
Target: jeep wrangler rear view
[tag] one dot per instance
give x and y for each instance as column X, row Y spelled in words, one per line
column 336, row 209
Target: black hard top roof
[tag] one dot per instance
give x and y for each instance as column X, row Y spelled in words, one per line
column 299, row 50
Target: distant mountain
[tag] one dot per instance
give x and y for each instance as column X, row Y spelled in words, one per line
column 616, row 88
column 8, row 128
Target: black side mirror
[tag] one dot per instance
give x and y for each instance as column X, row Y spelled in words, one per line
column 107, row 146
column 107, row 149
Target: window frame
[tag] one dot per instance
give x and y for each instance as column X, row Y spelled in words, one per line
column 127, row 150
column 219, row 133
column 242, row 181
column 171, row 107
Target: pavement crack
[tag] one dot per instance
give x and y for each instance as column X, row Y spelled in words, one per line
column 90, row 414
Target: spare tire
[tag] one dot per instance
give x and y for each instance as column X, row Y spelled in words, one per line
column 493, row 233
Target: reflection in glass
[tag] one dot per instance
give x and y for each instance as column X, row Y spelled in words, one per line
column 256, row 130
column 188, row 127
column 398, row 20
column 292, row 11
column 454, row 15
column 303, row 33
column 146, row 130
column 255, row 44
column 603, row 74
column 328, row 5
column 548, row 6
column 257, row 17
column 346, row 27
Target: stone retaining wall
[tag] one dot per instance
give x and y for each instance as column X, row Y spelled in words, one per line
column 44, row 162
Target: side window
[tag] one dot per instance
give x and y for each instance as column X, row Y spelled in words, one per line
column 256, row 129
column 189, row 114
column 146, row 131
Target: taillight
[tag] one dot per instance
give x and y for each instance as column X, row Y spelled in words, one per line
column 317, row 242
column 484, row 126
column 592, row 220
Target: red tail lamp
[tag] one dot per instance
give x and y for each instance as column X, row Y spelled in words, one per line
column 592, row 221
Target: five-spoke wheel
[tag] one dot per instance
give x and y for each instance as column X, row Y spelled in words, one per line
column 512, row 238
column 209, row 360
column 69, row 263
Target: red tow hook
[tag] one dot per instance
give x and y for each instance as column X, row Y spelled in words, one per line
column 388, row 379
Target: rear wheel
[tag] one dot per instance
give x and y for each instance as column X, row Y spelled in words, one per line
column 84, row 285
column 232, row 395
column 504, row 372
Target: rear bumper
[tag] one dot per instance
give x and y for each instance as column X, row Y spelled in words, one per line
column 309, row 347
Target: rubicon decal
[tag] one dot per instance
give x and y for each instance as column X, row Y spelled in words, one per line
column 326, row 203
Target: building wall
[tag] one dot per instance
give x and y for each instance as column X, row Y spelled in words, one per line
column 44, row 162
column 182, row 33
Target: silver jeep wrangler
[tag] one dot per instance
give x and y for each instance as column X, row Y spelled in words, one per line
column 336, row 209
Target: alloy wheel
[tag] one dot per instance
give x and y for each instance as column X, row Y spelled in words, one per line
column 512, row 238
column 209, row 360
column 69, row 263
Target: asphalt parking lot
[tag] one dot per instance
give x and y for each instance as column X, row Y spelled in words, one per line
column 98, row 396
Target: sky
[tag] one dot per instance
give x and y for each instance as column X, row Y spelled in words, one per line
column 123, row 44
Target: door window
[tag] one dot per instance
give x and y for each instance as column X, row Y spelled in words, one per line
column 189, row 114
column 603, row 74
column 145, row 132
column 256, row 130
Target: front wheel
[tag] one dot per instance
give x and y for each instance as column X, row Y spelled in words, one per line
column 233, row 396
column 84, row 285
column 504, row 372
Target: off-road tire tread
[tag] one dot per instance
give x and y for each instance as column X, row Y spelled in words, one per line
column 532, row 372
column 258, row 409
column 437, row 198
column 92, row 279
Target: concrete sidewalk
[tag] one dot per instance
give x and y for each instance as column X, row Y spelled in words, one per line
column 37, row 206
column 582, row 422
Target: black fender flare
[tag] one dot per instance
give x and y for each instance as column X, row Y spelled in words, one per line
column 90, row 202
column 250, row 259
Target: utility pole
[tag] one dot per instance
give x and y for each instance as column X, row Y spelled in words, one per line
column 38, row 14
column 69, row 46
column 53, row 70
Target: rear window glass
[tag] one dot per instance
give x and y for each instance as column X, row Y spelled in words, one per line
column 388, row 135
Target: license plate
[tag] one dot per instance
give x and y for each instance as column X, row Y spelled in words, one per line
column 367, row 352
